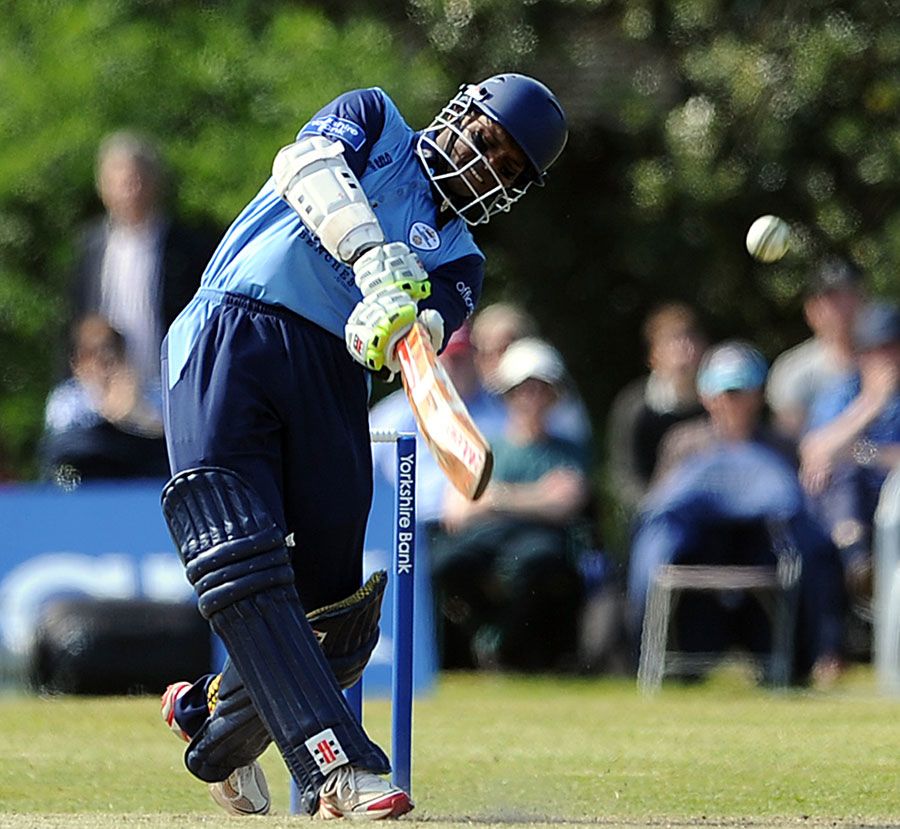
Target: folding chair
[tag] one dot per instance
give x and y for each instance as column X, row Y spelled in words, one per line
column 774, row 586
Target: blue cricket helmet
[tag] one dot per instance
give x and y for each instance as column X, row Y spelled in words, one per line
column 529, row 112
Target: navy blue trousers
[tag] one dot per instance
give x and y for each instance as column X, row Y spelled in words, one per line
column 279, row 401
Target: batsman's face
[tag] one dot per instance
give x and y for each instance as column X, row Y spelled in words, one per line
column 485, row 154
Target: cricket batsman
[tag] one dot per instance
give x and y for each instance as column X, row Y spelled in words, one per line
column 362, row 229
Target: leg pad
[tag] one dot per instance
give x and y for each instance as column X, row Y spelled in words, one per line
column 235, row 557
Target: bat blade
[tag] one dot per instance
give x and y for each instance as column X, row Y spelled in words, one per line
column 451, row 435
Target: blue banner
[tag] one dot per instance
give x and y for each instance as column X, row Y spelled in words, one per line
column 109, row 541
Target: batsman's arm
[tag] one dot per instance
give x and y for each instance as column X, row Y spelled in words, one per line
column 318, row 175
column 455, row 292
column 313, row 177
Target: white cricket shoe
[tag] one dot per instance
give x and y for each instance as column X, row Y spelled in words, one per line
column 358, row 794
column 244, row 792
column 167, row 708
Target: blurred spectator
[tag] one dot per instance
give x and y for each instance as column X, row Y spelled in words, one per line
column 723, row 484
column 394, row 413
column 494, row 328
column 100, row 423
column 136, row 265
column 730, row 385
column 834, row 294
column 646, row 408
column 854, row 442
column 505, row 572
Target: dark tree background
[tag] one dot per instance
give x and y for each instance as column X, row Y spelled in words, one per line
column 689, row 118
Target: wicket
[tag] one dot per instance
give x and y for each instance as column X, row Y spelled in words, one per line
column 402, row 574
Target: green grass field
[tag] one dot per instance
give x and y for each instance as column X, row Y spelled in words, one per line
column 504, row 750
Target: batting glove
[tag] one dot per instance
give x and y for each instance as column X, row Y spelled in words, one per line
column 376, row 325
column 391, row 265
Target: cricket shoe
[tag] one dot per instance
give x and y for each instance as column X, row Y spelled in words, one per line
column 358, row 794
column 167, row 708
column 243, row 792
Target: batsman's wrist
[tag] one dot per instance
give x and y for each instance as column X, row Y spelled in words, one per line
column 357, row 254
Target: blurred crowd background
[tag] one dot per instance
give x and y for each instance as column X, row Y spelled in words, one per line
column 134, row 132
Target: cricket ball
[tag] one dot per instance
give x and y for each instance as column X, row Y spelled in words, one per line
column 768, row 239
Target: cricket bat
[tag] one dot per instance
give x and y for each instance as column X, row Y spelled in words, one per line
column 458, row 446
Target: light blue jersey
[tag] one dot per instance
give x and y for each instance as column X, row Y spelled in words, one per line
column 268, row 254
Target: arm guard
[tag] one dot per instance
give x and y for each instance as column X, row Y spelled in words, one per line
column 313, row 177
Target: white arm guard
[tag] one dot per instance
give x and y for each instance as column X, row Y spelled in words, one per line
column 313, row 177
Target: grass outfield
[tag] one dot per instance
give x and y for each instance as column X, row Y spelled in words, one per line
column 507, row 751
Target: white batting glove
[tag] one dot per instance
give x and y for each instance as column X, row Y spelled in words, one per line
column 393, row 264
column 376, row 325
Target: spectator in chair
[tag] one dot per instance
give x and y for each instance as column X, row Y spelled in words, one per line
column 724, row 482
column 504, row 570
column 494, row 329
column 834, row 294
column 648, row 407
column 101, row 423
column 854, row 442
column 730, row 385
column 136, row 264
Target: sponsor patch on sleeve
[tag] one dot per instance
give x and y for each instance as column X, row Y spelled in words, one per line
column 340, row 129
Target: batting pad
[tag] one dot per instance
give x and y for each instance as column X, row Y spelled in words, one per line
column 348, row 630
column 233, row 736
column 235, row 556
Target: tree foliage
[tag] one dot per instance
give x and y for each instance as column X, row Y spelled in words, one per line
column 220, row 86
column 689, row 118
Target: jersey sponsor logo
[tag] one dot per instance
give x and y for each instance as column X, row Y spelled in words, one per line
column 338, row 128
column 343, row 273
column 466, row 293
column 424, row 237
